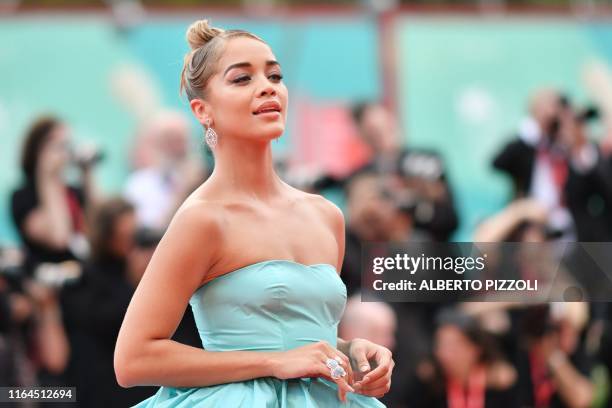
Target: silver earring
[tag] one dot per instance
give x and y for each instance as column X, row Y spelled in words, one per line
column 210, row 135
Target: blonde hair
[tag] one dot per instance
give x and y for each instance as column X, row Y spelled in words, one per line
column 200, row 64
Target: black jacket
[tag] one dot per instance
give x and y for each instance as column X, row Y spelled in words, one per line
column 588, row 195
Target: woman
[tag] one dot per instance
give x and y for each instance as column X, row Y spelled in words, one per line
column 468, row 372
column 256, row 259
column 49, row 213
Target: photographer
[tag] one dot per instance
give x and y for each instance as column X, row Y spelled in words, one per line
column 416, row 172
column 554, row 368
column 553, row 162
column 49, row 213
column 375, row 214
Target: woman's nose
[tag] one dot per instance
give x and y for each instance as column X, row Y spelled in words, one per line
column 267, row 88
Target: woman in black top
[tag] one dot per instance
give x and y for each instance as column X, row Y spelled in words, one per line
column 467, row 370
column 49, row 213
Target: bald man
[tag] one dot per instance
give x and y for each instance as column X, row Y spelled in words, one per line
column 374, row 321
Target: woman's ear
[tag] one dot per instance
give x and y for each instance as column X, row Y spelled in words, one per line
column 201, row 109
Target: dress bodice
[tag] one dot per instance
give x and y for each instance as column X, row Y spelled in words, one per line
column 273, row 305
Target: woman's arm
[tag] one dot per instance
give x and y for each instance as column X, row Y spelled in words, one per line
column 497, row 227
column 145, row 353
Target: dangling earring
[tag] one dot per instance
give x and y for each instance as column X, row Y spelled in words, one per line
column 210, row 135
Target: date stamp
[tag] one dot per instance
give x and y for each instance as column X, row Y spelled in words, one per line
column 38, row 394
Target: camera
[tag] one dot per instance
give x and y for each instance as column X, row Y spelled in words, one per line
column 87, row 155
column 421, row 165
column 582, row 116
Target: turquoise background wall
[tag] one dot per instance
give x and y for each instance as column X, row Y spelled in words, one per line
column 462, row 83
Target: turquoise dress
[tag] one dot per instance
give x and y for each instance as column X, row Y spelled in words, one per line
column 267, row 306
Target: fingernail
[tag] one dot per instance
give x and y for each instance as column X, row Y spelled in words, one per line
column 357, row 386
column 364, row 368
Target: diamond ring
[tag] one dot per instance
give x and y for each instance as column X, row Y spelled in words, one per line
column 335, row 369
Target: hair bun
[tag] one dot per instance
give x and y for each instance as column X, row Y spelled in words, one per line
column 199, row 33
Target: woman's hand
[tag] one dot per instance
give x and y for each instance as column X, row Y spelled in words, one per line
column 310, row 361
column 377, row 382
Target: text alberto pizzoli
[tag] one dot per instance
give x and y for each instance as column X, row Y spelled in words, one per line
column 458, row 265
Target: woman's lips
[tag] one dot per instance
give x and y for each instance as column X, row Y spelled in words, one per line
column 268, row 114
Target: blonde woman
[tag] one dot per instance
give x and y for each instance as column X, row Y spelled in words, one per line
column 256, row 259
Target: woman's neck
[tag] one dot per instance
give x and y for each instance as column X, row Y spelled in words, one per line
column 463, row 376
column 246, row 168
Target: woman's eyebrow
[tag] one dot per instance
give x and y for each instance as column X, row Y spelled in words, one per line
column 248, row 65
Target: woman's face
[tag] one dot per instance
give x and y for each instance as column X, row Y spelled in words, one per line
column 246, row 96
column 454, row 351
column 55, row 154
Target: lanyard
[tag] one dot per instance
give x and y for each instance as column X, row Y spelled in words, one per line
column 475, row 395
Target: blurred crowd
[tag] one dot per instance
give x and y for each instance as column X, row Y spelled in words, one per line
column 64, row 292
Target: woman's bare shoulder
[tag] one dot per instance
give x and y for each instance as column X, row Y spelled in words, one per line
column 200, row 212
column 329, row 211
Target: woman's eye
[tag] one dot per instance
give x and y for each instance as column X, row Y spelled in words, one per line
column 240, row 79
column 276, row 77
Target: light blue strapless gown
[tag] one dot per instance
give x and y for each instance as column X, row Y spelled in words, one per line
column 267, row 306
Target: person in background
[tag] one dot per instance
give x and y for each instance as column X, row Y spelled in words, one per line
column 157, row 189
column 467, row 370
column 552, row 161
column 375, row 321
column 48, row 212
column 374, row 214
column 418, row 175
column 554, row 369
column 525, row 215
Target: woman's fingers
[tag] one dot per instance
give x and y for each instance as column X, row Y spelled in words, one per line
column 385, row 365
column 372, row 385
column 346, row 364
column 378, row 392
column 360, row 355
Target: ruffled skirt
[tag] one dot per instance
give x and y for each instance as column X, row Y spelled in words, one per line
column 267, row 392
